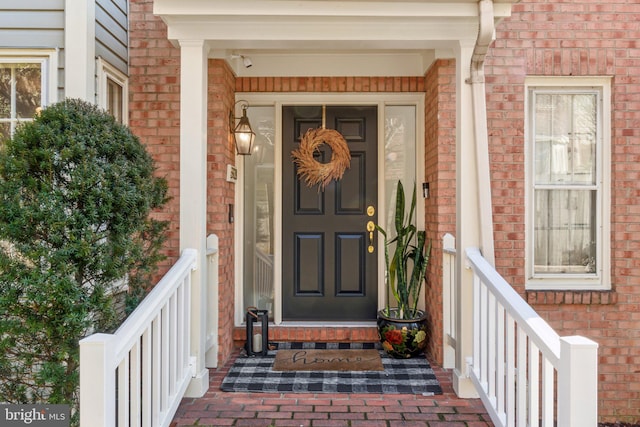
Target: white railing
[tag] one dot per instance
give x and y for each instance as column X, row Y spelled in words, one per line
column 137, row 376
column 449, row 300
column 525, row 373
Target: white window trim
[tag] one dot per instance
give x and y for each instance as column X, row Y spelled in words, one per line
column 48, row 58
column 602, row 279
column 106, row 71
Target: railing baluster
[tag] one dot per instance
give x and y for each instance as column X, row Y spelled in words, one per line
column 123, row 392
column 135, row 380
column 534, row 385
column 522, row 380
column 179, row 328
column 156, row 385
column 510, row 345
column 491, row 346
column 500, row 360
column 164, row 361
column 186, row 336
column 147, row 372
column 477, row 317
column 548, row 397
column 484, row 327
column 173, row 345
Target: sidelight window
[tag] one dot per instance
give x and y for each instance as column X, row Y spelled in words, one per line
column 259, row 205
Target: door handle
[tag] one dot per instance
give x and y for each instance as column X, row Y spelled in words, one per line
column 371, row 226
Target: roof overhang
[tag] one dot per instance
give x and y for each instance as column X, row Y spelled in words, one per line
column 327, row 37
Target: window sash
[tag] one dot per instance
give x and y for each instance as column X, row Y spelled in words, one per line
column 113, row 91
column 115, row 99
column 21, row 95
column 565, row 238
column 565, row 131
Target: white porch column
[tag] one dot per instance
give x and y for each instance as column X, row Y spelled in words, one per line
column 80, row 49
column 193, row 195
column 468, row 219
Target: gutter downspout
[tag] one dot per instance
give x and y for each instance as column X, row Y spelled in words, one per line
column 478, row 94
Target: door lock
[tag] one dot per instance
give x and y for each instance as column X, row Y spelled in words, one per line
column 371, row 226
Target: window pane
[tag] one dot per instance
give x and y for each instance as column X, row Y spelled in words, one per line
column 564, row 235
column 5, row 91
column 5, row 131
column 565, row 127
column 258, row 212
column 114, row 99
column 28, row 89
column 400, row 156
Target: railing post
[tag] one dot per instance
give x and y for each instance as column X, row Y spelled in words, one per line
column 97, row 382
column 213, row 259
column 578, row 382
column 449, row 300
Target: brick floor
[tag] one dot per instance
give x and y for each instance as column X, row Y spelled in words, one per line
column 217, row 408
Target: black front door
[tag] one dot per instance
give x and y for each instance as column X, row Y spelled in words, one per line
column 329, row 271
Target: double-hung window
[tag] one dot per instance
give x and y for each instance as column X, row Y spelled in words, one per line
column 567, row 158
column 24, row 89
column 112, row 91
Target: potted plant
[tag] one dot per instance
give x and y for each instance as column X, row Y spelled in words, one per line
column 402, row 327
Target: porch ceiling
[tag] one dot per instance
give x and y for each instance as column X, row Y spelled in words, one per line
column 327, row 37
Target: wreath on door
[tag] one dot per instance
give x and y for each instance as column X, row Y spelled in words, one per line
column 312, row 171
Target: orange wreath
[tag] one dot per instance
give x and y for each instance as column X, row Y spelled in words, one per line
column 311, row 170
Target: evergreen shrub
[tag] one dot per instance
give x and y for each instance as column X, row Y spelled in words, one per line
column 76, row 192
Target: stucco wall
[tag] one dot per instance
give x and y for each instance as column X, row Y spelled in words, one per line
column 575, row 38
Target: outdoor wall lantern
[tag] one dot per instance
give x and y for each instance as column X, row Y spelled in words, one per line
column 243, row 135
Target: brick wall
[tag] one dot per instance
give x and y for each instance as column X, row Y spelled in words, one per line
column 440, row 173
column 575, row 38
column 330, row 84
column 220, row 194
column 154, row 107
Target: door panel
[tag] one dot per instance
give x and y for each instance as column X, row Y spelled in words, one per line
column 328, row 272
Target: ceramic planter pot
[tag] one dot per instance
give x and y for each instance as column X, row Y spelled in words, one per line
column 400, row 338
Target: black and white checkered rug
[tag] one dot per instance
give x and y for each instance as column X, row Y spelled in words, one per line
column 408, row 376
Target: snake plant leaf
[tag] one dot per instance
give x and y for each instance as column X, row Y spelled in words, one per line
column 407, row 267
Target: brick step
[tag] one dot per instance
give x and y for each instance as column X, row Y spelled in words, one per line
column 313, row 334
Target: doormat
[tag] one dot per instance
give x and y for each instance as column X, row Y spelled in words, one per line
column 328, row 360
column 406, row 376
